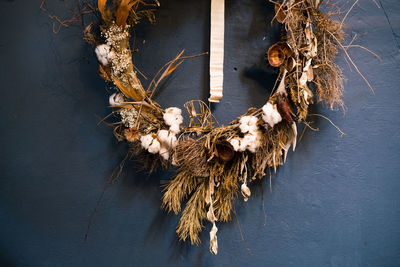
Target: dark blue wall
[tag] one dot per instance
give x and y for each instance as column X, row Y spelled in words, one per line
column 335, row 203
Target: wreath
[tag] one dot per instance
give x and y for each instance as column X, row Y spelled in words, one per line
column 214, row 162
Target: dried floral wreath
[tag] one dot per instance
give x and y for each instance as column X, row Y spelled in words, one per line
column 216, row 162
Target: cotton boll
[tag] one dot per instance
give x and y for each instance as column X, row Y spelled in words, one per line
column 164, row 153
column 146, row 141
column 104, row 54
column 270, row 114
column 242, row 145
column 249, row 138
column 172, row 116
column 244, row 128
column 163, row 136
column 235, row 143
column 172, row 119
column 244, row 120
column 253, row 129
column 175, row 128
column 178, row 119
column 173, row 110
column 253, row 141
column 172, row 141
column 248, row 124
column 253, row 120
column 154, row 147
column 116, row 99
column 169, row 118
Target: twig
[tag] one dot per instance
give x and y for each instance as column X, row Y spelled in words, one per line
column 109, row 181
column 241, row 233
column 351, row 61
column 347, row 13
column 334, row 125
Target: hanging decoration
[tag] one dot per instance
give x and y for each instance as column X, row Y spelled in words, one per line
column 216, row 163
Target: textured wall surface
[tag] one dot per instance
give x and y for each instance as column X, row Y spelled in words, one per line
column 335, row 203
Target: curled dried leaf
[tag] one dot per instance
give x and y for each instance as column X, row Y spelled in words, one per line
column 284, row 108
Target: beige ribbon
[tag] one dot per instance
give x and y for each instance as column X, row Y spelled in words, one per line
column 217, row 50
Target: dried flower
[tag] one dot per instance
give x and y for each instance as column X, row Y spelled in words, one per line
column 270, row 114
column 131, row 134
column 128, row 117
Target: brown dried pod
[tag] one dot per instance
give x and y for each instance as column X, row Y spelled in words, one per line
column 277, row 53
column 280, row 11
column 291, row 64
column 225, row 150
column 284, row 108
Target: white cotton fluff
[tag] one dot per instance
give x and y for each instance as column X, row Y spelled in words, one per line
column 104, row 54
column 172, row 116
column 172, row 119
column 235, row 143
column 175, row 128
column 252, row 141
column 116, row 99
column 242, row 145
column 270, row 114
column 163, row 136
column 146, row 141
column 167, row 138
column 154, row 147
column 164, row 153
column 248, row 124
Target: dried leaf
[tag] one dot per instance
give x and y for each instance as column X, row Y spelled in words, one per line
column 128, row 92
column 102, row 8
column 123, row 12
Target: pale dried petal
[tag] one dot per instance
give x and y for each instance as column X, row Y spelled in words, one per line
column 246, row 193
column 214, row 240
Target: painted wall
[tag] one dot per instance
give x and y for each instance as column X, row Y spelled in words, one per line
column 335, row 203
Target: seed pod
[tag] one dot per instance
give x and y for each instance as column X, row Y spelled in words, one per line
column 277, row 53
column 280, row 11
column 225, row 151
column 284, row 108
column 291, row 64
